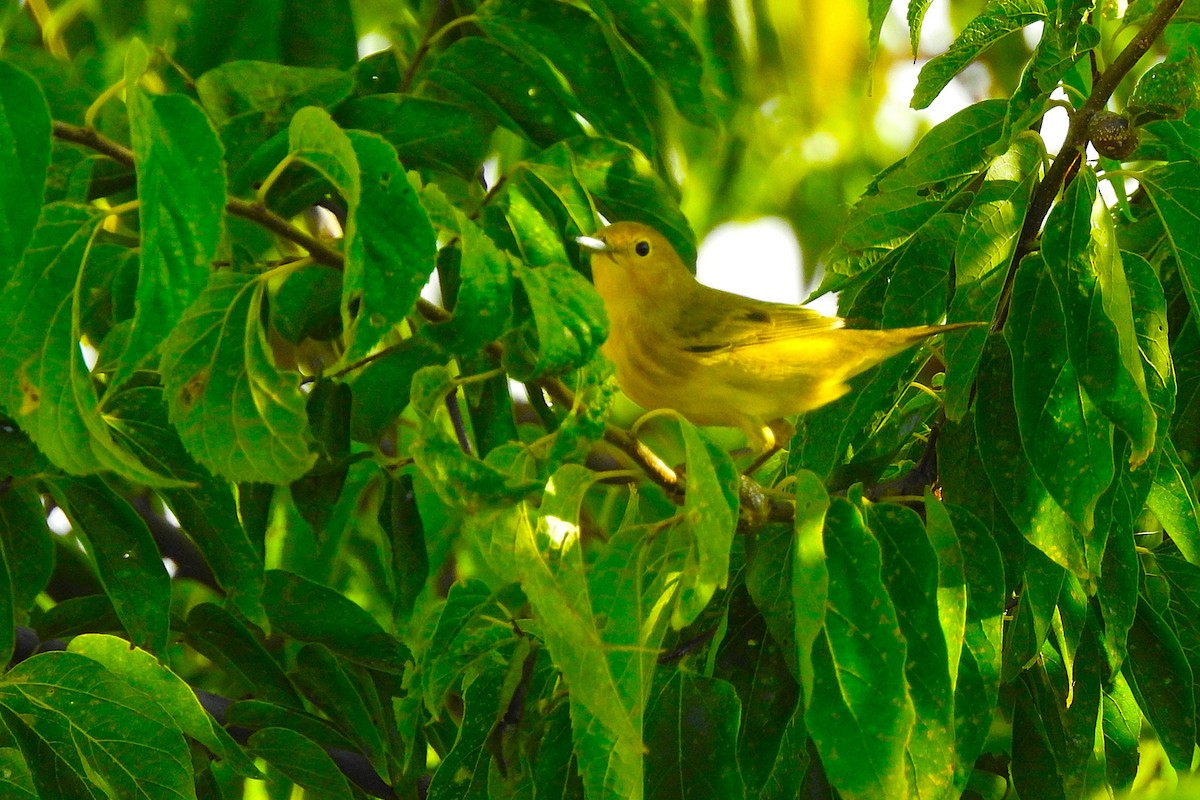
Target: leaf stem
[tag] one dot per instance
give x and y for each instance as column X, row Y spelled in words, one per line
column 1066, row 163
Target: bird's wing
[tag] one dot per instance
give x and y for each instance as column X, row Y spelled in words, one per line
column 718, row 321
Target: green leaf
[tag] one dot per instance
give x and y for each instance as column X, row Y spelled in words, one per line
column 182, row 195
column 710, row 514
column 236, row 412
column 1018, row 488
column 860, row 713
column 381, row 389
column 1151, row 324
column 301, row 761
column 427, row 134
column 877, row 11
column 998, row 19
column 1080, row 248
column 310, row 612
column 1122, row 727
column 691, row 734
column 978, row 671
column 1173, row 500
column 567, row 48
column 277, row 92
column 27, row 550
column 143, row 672
column 1184, row 580
column 1043, row 584
column 24, row 162
column 329, row 686
column 1066, row 438
column 1116, row 521
column 110, row 735
column 229, row 643
column 563, row 323
column 905, row 197
column 810, row 575
column 318, row 35
column 470, row 631
column 1174, row 189
column 204, row 505
column 43, row 380
column 756, row 663
column 916, row 16
column 952, row 587
column 655, row 31
column 15, row 780
column 482, row 297
column 478, row 72
column 463, row 773
column 982, row 255
column 398, row 244
column 256, row 715
column 1161, row 679
column 910, row 575
column 127, row 559
column 460, row 479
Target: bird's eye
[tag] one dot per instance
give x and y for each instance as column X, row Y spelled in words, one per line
column 642, row 248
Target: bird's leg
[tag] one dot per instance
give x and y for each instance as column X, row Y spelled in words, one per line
column 765, row 440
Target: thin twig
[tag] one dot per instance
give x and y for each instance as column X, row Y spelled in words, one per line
column 1066, row 163
column 320, row 252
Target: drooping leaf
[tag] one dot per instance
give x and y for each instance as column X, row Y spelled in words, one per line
column 910, row 574
column 43, row 379
column 398, row 247
column 342, row 625
column 236, row 412
column 1018, row 489
column 1064, row 435
column 181, row 194
column 860, row 703
column 691, row 733
column 982, row 254
column 127, row 560
column 1174, row 189
column 24, row 162
column 1080, row 246
column 302, row 761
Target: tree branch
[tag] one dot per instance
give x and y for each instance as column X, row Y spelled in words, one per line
column 1066, row 163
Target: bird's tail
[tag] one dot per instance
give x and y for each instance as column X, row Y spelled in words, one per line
column 878, row 345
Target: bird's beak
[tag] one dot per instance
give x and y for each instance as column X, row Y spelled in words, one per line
column 592, row 243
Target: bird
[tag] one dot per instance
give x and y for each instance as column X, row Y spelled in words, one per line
column 719, row 358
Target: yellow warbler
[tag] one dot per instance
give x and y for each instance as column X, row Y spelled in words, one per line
column 719, row 358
